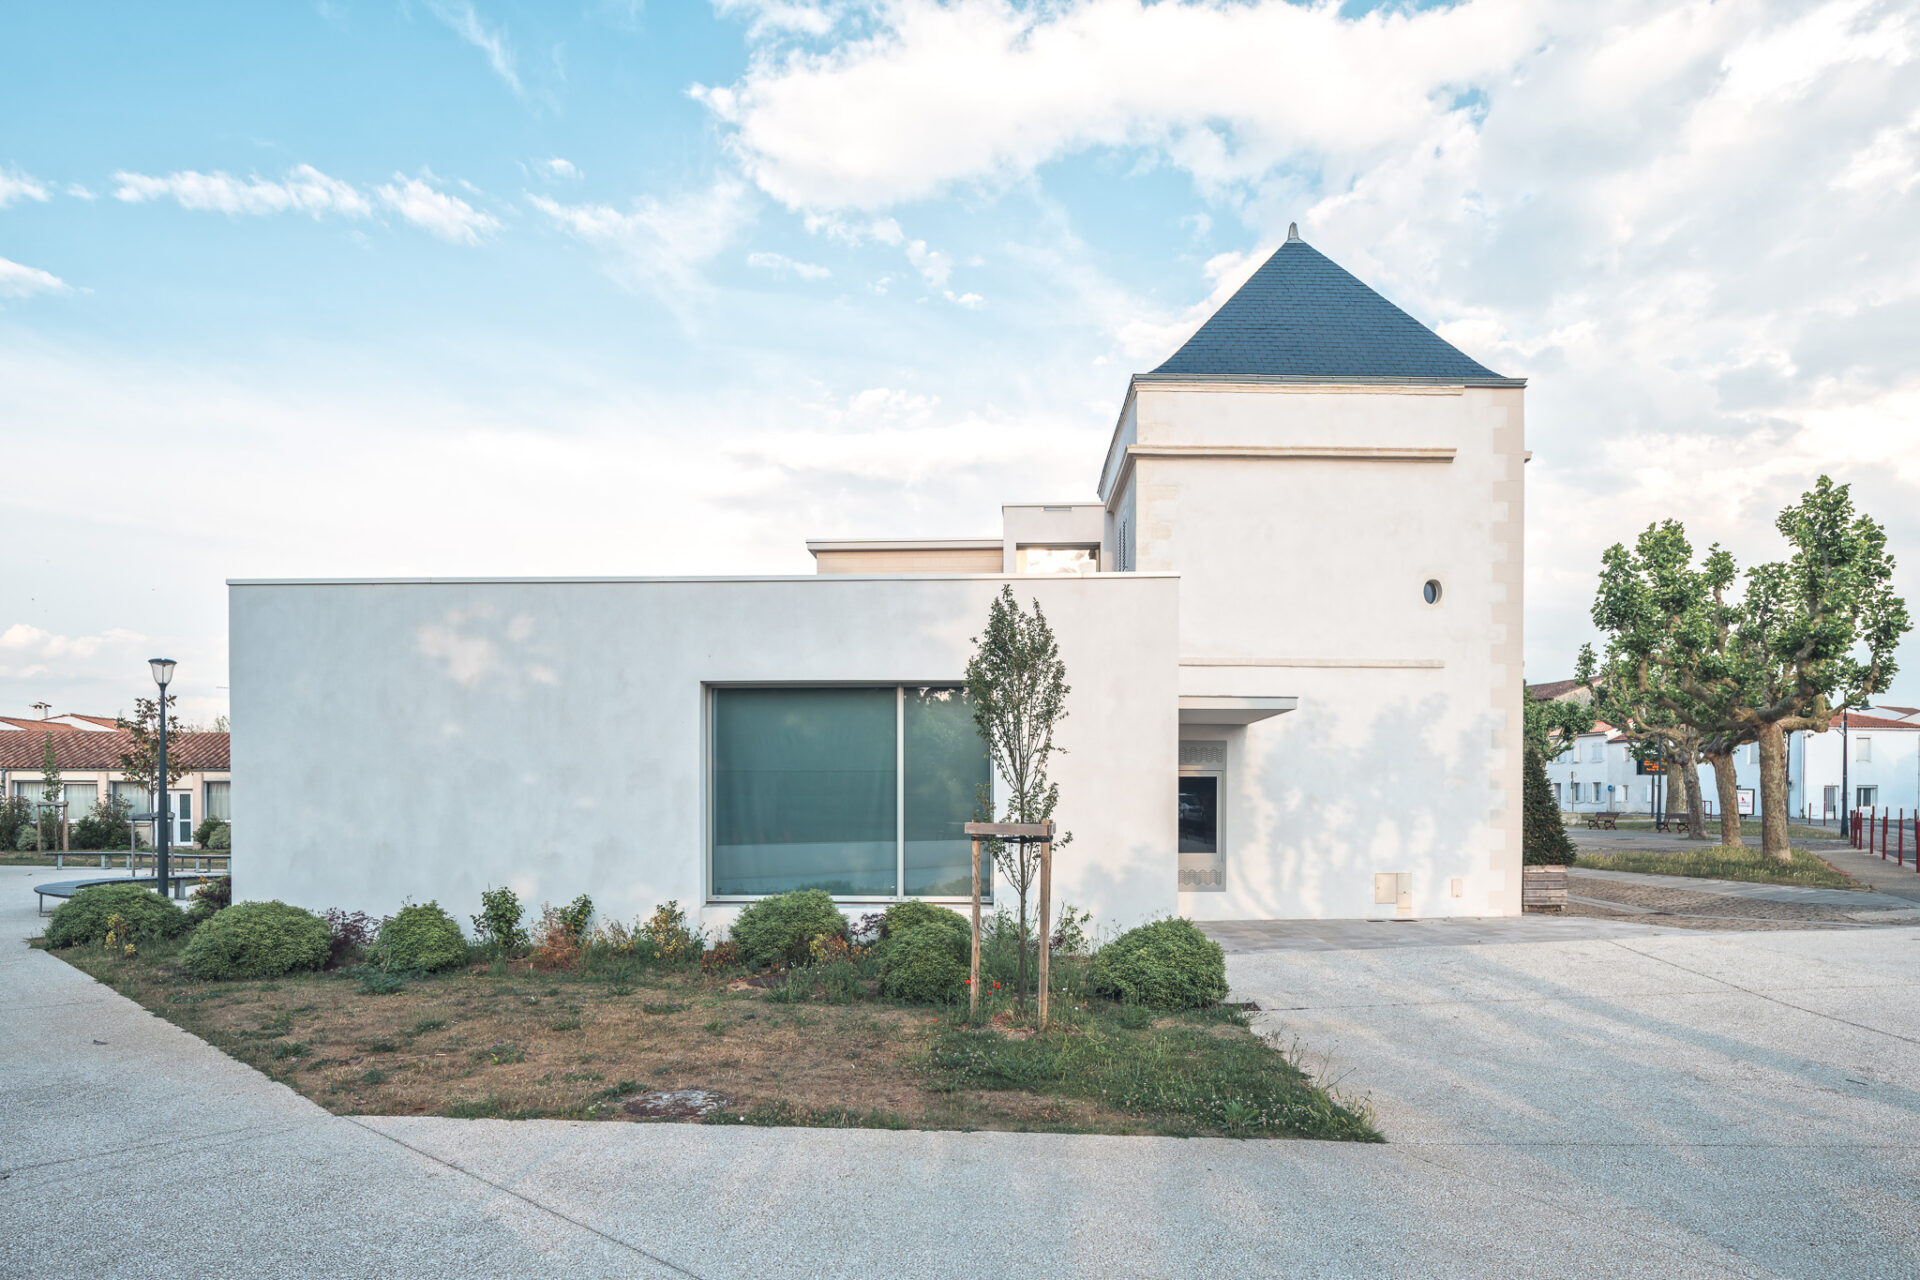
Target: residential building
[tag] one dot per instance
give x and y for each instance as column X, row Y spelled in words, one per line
column 1881, row 746
column 1291, row 617
column 88, row 756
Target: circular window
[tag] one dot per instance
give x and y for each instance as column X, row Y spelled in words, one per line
column 1431, row 592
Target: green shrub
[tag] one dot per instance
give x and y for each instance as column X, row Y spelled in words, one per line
column 1168, row 964
column 927, row 963
column 221, row 837
column 27, row 839
column 498, row 924
column 83, row 917
column 15, row 812
column 902, row 916
column 784, row 926
column 107, row 827
column 256, row 940
column 204, row 832
column 420, row 939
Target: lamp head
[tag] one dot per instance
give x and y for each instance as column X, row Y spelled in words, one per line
column 162, row 670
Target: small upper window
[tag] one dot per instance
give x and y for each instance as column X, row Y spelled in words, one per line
column 1863, row 750
column 1431, row 592
column 1056, row 560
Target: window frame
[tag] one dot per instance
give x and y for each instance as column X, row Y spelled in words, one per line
column 710, row 744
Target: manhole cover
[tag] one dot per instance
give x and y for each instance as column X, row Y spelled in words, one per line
column 673, row 1104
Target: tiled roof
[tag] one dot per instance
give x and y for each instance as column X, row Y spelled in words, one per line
column 1855, row 720
column 1303, row 317
column 40, row 726
column 81, row 750
column 1552, row 689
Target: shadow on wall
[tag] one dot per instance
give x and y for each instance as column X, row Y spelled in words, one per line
column 1330, row 811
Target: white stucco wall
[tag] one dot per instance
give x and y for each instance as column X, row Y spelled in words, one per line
column 1303, row 577
column 427, row 739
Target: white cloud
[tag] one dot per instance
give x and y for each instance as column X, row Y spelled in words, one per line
column 304, row 190
column 79, row 192
column 448, row 217
column 16, row 186
column 20, row 281
column 658, row 244
column 982, row 90
column 780, row 262
column 967, row 300
column 559, row 168
column 465, row 21
column 934, row 266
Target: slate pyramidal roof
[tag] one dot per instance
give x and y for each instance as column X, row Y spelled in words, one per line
column 1304, row 318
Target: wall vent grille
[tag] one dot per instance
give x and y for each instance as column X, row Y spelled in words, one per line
column 1202, row 754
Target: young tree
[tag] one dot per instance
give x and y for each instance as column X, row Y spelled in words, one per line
column 1018, row 687
column 141, row 761
column 52, row 792
column 1802, row 624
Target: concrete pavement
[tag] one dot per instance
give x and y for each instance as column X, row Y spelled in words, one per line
column 1656, row 1105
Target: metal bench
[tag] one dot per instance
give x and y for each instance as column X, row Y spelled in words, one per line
column 1610, row 821
column 67, row 888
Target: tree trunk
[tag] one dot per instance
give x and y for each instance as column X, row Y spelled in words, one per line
column 1773, row 793
column 1690, row 785
column 1727, row 783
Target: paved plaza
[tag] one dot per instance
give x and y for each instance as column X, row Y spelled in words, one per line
column 1633, row 1100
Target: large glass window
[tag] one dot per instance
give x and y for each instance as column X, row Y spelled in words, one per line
column 219, row 801
column 947, row 776
column 1056, row 560
column 861, row 792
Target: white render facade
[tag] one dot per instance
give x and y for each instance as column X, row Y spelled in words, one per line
column 1291, row 619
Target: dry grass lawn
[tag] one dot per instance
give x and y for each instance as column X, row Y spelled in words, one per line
column 511, row 1042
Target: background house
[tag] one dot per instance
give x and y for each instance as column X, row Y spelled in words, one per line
column 87, row 750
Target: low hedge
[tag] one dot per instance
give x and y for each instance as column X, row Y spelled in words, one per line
column 83, row 917
column 784, row 926
column 1168, row 964
column 420, row 939
column 257, row 940
column 927, row 963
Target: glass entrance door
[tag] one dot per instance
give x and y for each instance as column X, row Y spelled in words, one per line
column 182, row 810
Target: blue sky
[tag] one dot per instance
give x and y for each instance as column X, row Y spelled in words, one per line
column 460, row 288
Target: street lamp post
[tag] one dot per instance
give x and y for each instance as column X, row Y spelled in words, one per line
column 162, row 675
column 1845, row 794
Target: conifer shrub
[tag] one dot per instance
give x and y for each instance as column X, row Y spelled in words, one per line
column 421, row 938
column 83, row 917
column 221, row 838
column 257, row 940
column 1168, row 964
column 1543, row 836
column 784, row 926
column 927, row 963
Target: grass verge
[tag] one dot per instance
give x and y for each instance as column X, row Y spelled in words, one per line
column 504, row 1041
column 1723, row 862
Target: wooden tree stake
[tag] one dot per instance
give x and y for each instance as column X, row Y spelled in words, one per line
column 973, row 986
column 1046, row 930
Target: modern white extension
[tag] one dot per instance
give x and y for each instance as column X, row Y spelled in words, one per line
column 1291, row 620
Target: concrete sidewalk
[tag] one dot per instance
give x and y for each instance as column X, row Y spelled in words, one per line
column 1660, row 1106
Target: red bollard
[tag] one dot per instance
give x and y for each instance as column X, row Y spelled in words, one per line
column 1883, row 835
column 1900, row 850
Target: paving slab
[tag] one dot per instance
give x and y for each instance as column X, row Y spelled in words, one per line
column 1644, row 1103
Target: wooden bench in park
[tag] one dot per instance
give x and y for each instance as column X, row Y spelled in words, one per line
column 1609, row 821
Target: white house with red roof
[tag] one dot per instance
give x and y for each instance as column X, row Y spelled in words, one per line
column 87, row 752
column 1290, row 611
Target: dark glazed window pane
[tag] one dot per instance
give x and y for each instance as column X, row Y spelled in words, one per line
column 1200, row 815
column 946, row 766
column 804, row 791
